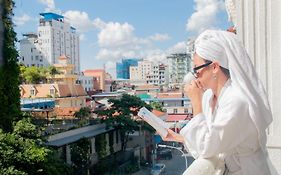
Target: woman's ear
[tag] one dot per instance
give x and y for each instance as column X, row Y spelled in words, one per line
column 215, row 67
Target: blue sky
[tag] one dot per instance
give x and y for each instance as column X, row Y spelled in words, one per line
column 114, row 29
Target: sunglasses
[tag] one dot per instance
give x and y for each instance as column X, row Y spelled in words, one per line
column 195, row 73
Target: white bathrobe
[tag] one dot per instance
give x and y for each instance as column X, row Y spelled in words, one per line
column 228, row 131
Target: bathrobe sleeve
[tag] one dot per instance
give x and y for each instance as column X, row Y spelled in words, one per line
column 228, row 129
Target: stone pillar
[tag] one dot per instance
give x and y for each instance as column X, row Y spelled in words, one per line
column 259, row 28
column 107, row 144
column 93, row 146
column 68, row 154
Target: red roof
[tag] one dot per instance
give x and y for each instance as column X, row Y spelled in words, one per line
column 158, row 113
column 176, row 117
column 94, row 70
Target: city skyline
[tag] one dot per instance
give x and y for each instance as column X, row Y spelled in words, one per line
column 110, row 31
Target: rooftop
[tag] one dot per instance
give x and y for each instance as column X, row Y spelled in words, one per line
column 50, row 15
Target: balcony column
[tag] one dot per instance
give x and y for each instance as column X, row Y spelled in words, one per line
column 68, row 154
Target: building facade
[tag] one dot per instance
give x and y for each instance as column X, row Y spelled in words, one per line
column 69, row 96
column 258, row 27
column 99, row 76
column 87, row 82
column 55, row 37
column 159, row 75
column 123, row 68
column 179, row 66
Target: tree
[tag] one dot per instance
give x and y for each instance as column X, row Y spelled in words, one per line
column 52, row 70
column 23, row 152
column 83, row 115
column 120, row 115
column 9, row 71
column 21, row 149
column 157, row 106
column 80, row 153
column 34, row 75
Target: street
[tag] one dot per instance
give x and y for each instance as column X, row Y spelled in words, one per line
column 175, row 166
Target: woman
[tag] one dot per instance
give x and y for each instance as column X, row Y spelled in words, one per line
column 230, row 107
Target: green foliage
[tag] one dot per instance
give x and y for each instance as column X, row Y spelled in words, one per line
column 52, row 70
column 22, row 152
column 100, row 144
column 80, row 152
column 83, row 115
column 157, row 106
column 120, row 114
column 9, row 71
column 35, row 75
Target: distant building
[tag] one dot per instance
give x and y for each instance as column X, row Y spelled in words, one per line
column 69, row 96
column 148, row 72
column 159, row 75
column 99, row 78
column 87, row 82
column 179, row 65
column 123, row 68
column 55, row 37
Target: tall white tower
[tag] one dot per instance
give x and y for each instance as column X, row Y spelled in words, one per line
column 55, row 38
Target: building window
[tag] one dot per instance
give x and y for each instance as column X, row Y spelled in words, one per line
column 175, row 111
column 32, row 91
column 185, row 111
column 52, row 91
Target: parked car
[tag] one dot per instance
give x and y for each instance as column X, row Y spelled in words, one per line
column 158, row 169
column 164, row 154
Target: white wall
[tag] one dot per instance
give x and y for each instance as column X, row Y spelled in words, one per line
column 259, row 28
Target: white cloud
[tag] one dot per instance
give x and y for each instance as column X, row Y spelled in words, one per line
column 205, row 15
column 180, row 47
column 114, row 54
column 160, row 37
column 110, row 67
column 156, row 55
column 80, row 20
column 98, row 23
column 49, row 3
column 21, row 20
column 116, row 35
column 82, row 37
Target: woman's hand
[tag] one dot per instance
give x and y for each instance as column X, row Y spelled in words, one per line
column 173, row 136
column 195, row 91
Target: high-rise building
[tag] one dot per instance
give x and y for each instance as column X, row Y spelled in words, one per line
column 158, row 75
column 123, row 68
column 179, row 66
column 55, row 37
column 148, row 72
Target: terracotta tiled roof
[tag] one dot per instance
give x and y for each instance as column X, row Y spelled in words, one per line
column 80, row 90
column 158, row 113
column 43, row 90
column 169, row 95
column 64, row 112
column 93, row 70
column 64, row 90
column 176, row 117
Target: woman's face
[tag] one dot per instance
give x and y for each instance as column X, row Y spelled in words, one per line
column 204, row 74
